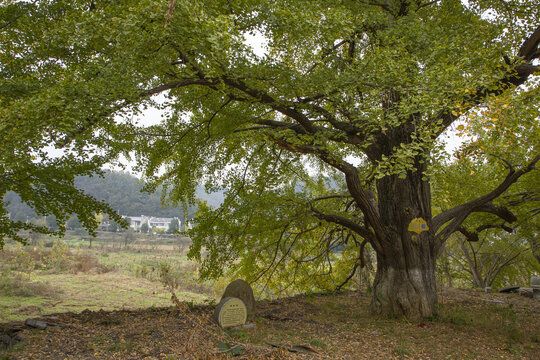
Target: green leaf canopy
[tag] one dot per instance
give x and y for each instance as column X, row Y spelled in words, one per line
column 324, row 138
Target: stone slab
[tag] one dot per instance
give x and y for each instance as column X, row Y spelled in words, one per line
column 230, row 312
column 242, row 290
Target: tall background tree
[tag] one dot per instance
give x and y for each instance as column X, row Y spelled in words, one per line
column 324, row 141
column 174, row 226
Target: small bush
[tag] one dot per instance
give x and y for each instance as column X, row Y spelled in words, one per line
column 14, row 284
column 84, row 263
column 182, row 277
column 58, row 259
column 143, row 271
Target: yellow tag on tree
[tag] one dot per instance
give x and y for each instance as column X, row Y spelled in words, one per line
column 418, row 225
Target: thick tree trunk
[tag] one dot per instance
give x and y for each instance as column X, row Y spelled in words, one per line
column 405, row 282
column 409, row 291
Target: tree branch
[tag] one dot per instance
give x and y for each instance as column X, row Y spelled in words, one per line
column 516, row 75
column 343, row 221
column 265, row 98
column 470, row 236
column 529, row 48
column 506, row 228
column 353, row 271
column 177, row 84
column 351, row 177
column 473, row 236
column 482, row 204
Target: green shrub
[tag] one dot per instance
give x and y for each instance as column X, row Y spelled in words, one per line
column 14, row 284
column 58, row 259
column 142, row 271
column 183, row 277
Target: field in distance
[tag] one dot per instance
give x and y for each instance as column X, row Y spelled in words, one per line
column 76, row 273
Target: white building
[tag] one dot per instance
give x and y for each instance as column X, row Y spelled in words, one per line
column 153, row 222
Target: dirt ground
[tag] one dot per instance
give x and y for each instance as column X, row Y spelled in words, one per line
column 470, row 325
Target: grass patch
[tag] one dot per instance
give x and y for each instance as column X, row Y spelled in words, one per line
column 317, row 343
column 401, row 350
column 60, row 277
column 12, row 349
column 499, row 320
column 454, row 314
column 19, row 285
column 126, row 346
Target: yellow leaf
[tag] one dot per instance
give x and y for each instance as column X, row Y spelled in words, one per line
column 460, row 127
column 472, row 172
column 454, row 113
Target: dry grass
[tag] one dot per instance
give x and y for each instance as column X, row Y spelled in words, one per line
column 21, row 285
column 33, row 278
column 56, row 259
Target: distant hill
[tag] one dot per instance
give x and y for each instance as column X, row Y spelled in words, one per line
column 123, row 192
column 214, row 199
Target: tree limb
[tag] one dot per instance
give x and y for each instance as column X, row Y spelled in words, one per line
column 177, row 84
column 473, row 236
column 529, row 49
column 353, row 271
column 343, row 221
column 482, row 204
column 351, row 177
column 516, row 75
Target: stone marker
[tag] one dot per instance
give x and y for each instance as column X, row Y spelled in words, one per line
column 494, row 301
column 510, row 289
column 41, row 325
column 230, row 312
column 242, row 290
column 535, row 285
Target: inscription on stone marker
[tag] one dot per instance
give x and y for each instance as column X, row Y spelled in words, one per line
column 232, row 312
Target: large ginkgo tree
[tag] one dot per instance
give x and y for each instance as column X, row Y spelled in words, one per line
column 319, row 119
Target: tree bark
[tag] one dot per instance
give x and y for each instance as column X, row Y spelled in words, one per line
column 409, row 291
column 405, row 282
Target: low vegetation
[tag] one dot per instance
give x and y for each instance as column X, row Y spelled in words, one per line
column 54, row 275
